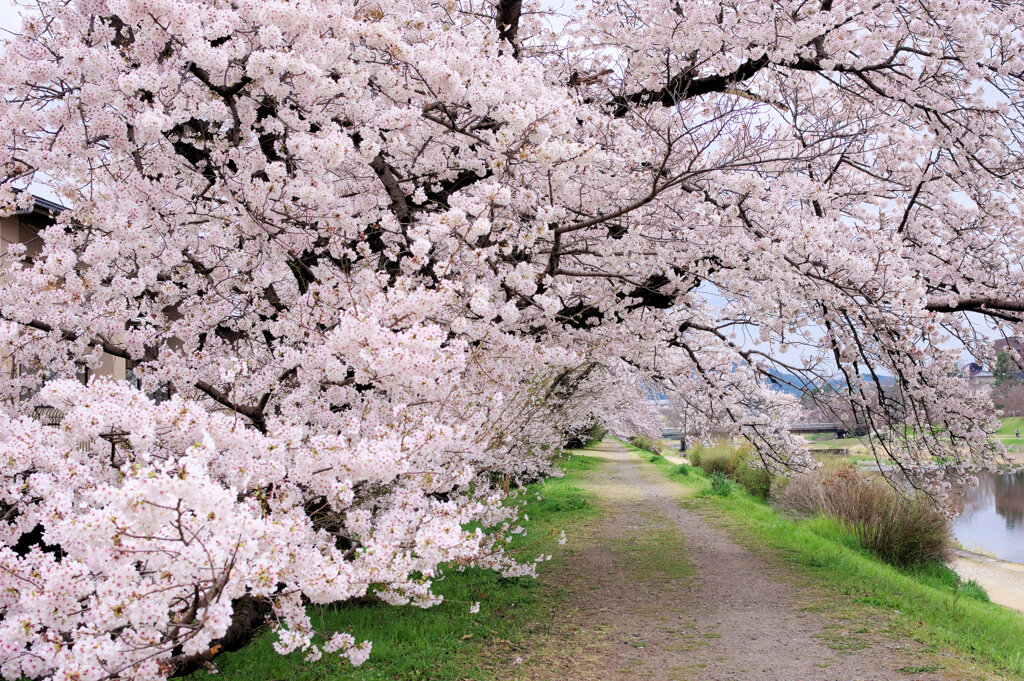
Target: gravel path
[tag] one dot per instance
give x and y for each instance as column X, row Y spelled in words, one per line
column 655, row 592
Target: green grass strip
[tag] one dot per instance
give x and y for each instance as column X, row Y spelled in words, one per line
column 444, row 642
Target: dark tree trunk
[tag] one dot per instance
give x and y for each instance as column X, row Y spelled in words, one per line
column 249, row 614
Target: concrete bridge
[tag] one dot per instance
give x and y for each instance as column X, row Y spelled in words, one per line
column 813, row 428
column 797, row 429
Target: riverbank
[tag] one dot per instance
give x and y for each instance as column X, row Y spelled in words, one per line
column 658, row 581
column 1003, row 580
column 659, row 589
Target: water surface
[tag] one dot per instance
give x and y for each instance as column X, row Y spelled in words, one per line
column 992, row 519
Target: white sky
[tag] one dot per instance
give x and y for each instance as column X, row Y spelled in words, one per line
column 9, row 20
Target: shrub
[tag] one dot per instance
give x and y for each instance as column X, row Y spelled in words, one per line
column 720, row 485
column 901, row 530
column 757, row 481
column 719, row 458
column 835, row 490
column 859, row 430
column 734, row 462
column 655, row 458
column 779, row 485
column 904, row 531
column 584, row 437
column 716, row 462
column 645, row 443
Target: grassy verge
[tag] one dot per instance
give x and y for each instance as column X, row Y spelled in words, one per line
column 447, row 641
column 925, row 603
column 1008, row 427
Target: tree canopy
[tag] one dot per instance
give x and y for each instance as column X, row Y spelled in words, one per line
column 383, row 256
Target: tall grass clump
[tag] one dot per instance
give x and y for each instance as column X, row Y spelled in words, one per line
column 905, row 531
column 971, row 589
column 645, row 443
column 719, row 458
column 735, row 462
column 901, row 529
column 720, row 485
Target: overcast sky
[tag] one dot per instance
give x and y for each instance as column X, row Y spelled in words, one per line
column 8, row 16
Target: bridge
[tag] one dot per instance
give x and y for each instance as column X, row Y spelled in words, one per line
column 811, row 428
column 797, row 429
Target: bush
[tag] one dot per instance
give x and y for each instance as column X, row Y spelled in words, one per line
column 904, row 531
column 720, row 485
column 859, row 430
column 757, row 481
column 645, row 443
column 734, row 462
column 901, row 530
column 716, row 462
column 721, row 458
column 584, row 437
column 832, row 490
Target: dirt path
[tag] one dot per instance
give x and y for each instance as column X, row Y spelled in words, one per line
column 654, row 592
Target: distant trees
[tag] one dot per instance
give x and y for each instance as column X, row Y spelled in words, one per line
column 1008, row 388
column 1006, row 369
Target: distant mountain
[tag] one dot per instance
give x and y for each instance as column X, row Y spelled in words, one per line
column 792, row 384
column 782, row 382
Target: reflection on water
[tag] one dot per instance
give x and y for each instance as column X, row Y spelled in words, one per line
column 992, row 518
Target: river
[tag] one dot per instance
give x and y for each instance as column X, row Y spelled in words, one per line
column 992, row 519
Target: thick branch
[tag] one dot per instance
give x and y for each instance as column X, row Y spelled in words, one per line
column 254, row 414
column 993, row 307
column 509, row 12
column 686, row 85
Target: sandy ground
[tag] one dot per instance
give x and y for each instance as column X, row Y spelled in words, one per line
column 1016, row 457
column 1004, row 581
column 692, row 604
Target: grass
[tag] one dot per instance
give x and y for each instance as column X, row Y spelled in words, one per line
column 927, row 604
column 447, row 641
column 833, row 443
column 1008, row 427
column 1006, row 434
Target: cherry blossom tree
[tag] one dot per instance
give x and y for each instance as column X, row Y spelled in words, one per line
column 369, row 261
